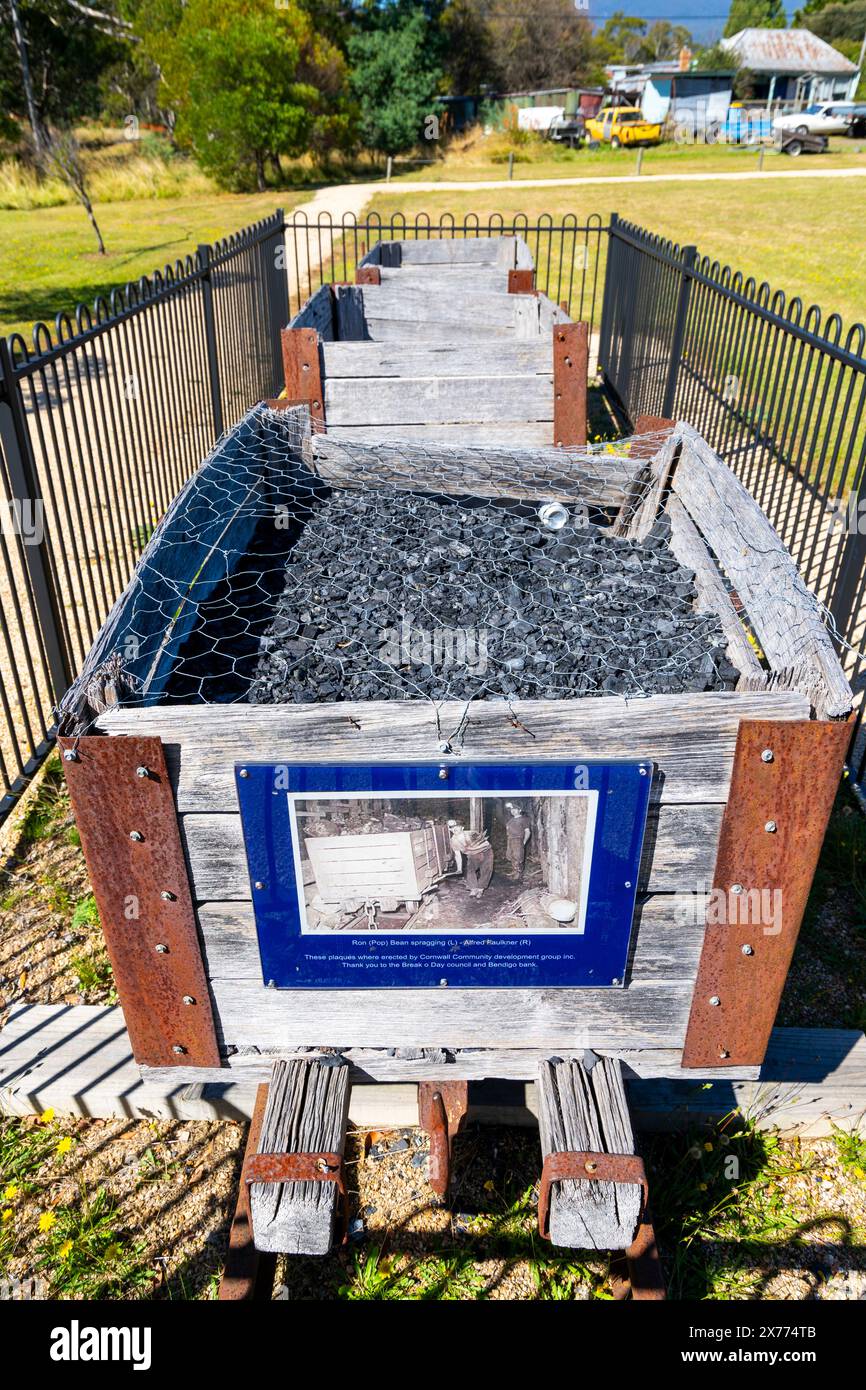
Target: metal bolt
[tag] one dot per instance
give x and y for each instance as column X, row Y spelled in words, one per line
column 443, row 984
column 443, row 774
column 715, row 1000
column 736, row 887
column 627, row 884
column 444, row 746
column 643, row 772
column 747, row 950
column 142, row 771
column 176, row 1047
column 271, row 984
column 258, row 884
column 136, row 835
column 590, row 1166
column 188, row 999
column 70, row 755
column 244, row 772
column 161, row 950
column 723, row 1053
column 322, row 1165
column 770, row 827
column 615, row 980
column 767, row 755
column 168, row 897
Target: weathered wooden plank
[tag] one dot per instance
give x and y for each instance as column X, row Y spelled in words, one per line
column 663, row 947
column 306, row 1112
column 644, row 1015
column 543, row 474
column 691, row 738
column 511, row 436
column 414, row 303
column 434, row 399
column 583, row 1108
column 500, row 251
column 349, row 322
column 445, row 279
column 409, row 330
column 371, row 359
column 689, row 549
column 784, row 615
column 318, row 313
column 679, row 851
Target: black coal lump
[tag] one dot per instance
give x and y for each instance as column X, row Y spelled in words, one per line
column 389, row 595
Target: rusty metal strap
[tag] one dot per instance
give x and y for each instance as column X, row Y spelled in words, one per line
column 300, row 1167
column 588, row 1167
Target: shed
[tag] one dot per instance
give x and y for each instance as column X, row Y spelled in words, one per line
column 794, row 65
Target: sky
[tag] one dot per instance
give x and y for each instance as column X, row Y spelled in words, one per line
column 704, row 18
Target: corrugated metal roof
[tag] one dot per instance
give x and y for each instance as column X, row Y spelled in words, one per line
column 787, row 50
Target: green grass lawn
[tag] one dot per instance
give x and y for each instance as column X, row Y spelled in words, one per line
column 50, row 262
column 802, row 236
column 538, row 159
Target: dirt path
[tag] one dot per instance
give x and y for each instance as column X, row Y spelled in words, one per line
column 364, row 191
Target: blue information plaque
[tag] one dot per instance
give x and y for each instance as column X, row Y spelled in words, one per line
column 427, row 875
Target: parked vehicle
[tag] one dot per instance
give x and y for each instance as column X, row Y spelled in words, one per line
column 622, row 125
column 741, row 126
column 828, row 118
column 568, row 130
column 857, row 124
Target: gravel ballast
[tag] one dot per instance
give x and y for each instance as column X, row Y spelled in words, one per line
column 391, row 595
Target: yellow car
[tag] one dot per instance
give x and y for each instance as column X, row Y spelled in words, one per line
column 622, row 125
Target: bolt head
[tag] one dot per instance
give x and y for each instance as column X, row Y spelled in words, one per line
column 715, row 1001
column 258, row 884
column 70, row 755
column 244, row 772
column 770, row 827
column 443, row 774
column 747, row 950
column 723, row 1053
column 161, row 949
column 176, row 1047
column 168, row 897
column 628, row 883
column 142, row 772
column 615, row 980
column 188, row 999
column 444, row 746
column 736, row 887
column 590, row 1166
column 443, row 984
column 767, row 755
column 136, row 835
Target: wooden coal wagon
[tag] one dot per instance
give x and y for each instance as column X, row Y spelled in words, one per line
column 742, row 783
column 387, row 869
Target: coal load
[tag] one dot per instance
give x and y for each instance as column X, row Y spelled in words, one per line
column 389, row 595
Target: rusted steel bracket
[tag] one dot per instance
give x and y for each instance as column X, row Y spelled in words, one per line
column 784, row 780
column 124, row 809
column 303, row 371
column 641, row 1258
column 248, row 1273
column 300, row 1167
column 442, row 1107
column 570, row 371
column 521, row 282
column 368, row 275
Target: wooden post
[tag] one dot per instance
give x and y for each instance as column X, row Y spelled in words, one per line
column 303, row 371
column 307, row 1109
column 570, row 372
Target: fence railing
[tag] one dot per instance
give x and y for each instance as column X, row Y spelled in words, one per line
column 779, row 393
column 101, row 423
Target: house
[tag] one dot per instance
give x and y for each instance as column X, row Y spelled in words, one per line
column 667, row 91
column 794, row 65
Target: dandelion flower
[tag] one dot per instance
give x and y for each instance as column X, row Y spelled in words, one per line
column 47, row 1115
column 488, row 1186
column 65, row 1250
column 64, row 1145
column 47, row 1220
column 708, row 1147
column 11, row 1191
column 7, row 1215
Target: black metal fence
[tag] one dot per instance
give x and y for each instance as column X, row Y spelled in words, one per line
column 779, row 393
column 101, row 423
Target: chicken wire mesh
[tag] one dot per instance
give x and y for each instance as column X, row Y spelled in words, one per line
column 297, row 567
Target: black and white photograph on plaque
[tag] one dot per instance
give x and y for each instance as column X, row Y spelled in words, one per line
column 453, row 863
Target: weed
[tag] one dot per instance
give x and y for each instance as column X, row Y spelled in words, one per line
column 84, row 1256
column 851, row 1150
column 49, row 805
column 85, row 912
column 93, row 972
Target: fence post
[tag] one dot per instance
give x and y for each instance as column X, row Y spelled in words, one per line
column 689, row 256
column 278, row 297
column 607, row 297
column 25, row 489
column 211, row 340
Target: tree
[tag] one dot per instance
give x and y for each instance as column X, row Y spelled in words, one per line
column 544, row 44
column 61, row 155
column 468, row 58
column 394, row 77
column 251, row 80
column 755, row 14
column 842, row 20
column 620, row 39
column 663, row 42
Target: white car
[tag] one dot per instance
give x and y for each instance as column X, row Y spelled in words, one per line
column 829, row 118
